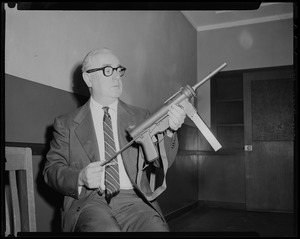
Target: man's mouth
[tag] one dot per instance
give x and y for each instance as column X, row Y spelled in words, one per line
column 117, row 87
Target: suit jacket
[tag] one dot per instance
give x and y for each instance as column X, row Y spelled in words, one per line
column 74, row 146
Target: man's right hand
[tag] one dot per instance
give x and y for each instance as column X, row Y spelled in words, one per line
column 91, row 175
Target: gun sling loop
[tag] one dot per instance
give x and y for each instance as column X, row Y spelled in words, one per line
column 155, row 192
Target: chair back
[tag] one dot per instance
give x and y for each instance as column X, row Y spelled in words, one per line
column 19, row 193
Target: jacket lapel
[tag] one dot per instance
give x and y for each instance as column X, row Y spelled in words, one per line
column 85, row 132
column 127, row 120
column 86, row 135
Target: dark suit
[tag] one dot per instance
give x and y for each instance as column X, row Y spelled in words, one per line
column 74, row 146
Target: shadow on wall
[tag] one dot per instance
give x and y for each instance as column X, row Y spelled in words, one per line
column 52, row 197
column 80, row 89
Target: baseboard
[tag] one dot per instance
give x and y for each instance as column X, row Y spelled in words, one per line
column 203, row 203
column 224, row 205
column 181, row 211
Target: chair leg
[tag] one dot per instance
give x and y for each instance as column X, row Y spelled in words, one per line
column 15, row 203
column 7, row 218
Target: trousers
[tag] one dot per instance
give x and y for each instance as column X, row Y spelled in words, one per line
column 126, row 212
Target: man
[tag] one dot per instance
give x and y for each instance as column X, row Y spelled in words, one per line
column 111, row 197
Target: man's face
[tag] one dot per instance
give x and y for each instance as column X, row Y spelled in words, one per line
column 107, row 88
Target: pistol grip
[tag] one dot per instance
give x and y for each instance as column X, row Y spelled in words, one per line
column 150, row 150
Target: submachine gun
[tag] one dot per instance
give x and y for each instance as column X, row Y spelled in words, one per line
column 145, row 132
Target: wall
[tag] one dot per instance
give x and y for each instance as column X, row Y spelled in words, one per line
column 43, row 51
column 222, row 177
column 156, row 47
column 245, row 47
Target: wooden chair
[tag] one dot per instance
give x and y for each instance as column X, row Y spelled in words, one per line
column 19, row 196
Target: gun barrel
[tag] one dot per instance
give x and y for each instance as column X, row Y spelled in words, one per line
column 209, row 76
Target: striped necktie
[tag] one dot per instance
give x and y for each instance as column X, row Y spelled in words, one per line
column 112, row 182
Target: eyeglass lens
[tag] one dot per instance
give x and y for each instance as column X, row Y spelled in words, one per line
column 108, row 70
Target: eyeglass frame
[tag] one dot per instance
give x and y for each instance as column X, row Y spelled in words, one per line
column 103, row 70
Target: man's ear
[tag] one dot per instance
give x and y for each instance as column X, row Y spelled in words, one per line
column 87, row 79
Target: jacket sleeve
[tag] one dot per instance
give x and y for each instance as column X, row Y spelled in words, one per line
column 58, row 173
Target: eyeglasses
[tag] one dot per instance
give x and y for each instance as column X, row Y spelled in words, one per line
column 108, row 70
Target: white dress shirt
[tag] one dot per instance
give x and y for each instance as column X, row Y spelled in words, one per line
column 97, row 115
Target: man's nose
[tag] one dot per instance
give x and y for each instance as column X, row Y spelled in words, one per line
column 116, row 75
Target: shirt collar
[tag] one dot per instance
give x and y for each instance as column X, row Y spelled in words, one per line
column 113, row 106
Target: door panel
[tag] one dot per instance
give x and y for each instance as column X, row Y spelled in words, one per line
column 269, row 176
column 272, row 109
column 269, row 129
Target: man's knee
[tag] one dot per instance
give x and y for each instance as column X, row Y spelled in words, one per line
column 149, row 223
column 89, row 226
column 94, row 219
column 156, row 223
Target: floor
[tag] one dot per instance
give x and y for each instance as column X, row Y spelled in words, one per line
column 225, row 222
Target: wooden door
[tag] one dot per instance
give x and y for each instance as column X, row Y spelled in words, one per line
column 269, row 139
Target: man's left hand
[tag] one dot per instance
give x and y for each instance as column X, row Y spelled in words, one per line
column 176, row 117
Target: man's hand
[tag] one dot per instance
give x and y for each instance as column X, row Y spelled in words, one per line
column 91, row 175
column 176, row 117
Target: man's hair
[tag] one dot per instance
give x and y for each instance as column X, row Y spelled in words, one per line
column 88, row 58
